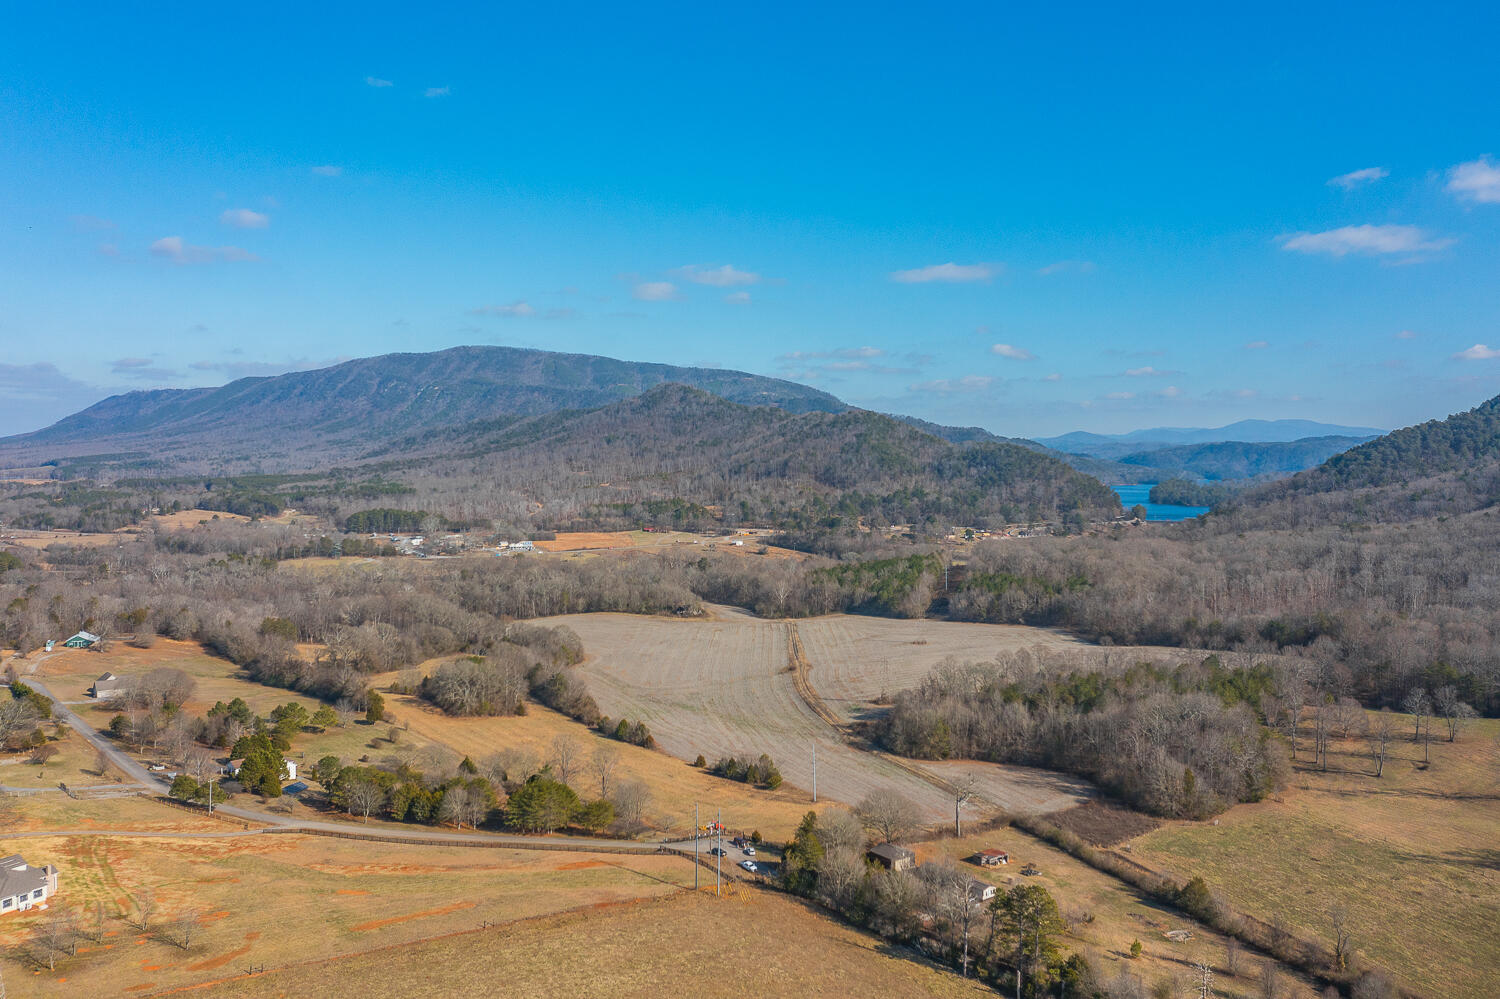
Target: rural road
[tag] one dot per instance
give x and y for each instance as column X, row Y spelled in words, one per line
column 280, row 823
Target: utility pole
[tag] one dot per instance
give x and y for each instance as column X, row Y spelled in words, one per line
column 695, row 848
column 210, row 800
column 719, row 857
column 815, row 773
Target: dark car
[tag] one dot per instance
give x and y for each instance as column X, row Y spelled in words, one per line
column 718, row 852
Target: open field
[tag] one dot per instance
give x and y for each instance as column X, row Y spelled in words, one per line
column 753, row 944
column 1106, row 915
column 1413, row 856
column 279, row 899
column 723, row 686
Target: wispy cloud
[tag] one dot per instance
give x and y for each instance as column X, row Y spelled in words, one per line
column 738, row 298
column 951, row 386
column 515, row 310
column 1013, row 352
column 950, row 273
column 1054, row 377
column 725, row 276
column 1476, row 180
column 1067, row 267
column 244, row 218
column 1257, row 345
column 1170, row 392
column 1119, row 396
column 842, row 353
column 90, row 223
column 375, row 81
column 436, row 92
column 1357, row 178
column 1478, row 352
column 1407, row 335
column 173, row 248
column 1369, row 240
column 328, row 170
column 142, row 369
column 1149, row 372
column 35, row 395
column 655, row 291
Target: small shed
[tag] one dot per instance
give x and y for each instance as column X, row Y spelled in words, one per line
column 991, row 858
column 82, row 640
column 107, row 685
column 896, row 858
column 980, row 891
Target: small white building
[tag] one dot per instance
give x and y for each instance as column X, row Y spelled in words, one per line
column 23, row 886
column 290, row 766
column 107, row 686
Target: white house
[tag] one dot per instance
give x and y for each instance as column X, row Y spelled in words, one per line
column 290, row 767
column 23, row 886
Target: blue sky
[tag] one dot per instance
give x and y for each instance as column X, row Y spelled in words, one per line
column 1035, row 222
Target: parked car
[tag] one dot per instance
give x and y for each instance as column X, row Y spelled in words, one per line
column 740, row 842
column 171, row 775
column 156, row 767
column 749, row 865
column 718, row 852
column 749, row 851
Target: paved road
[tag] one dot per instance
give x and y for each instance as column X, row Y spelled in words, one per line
column 281, row 823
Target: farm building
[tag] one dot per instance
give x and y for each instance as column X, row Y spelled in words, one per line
column 82, row 640
column 980, row 891
column 897, row 858
column 234, row 768
column 991, row 858
column 23, row 886
column 107, row 685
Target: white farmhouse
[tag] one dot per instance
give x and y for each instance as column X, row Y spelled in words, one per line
column 23, row 886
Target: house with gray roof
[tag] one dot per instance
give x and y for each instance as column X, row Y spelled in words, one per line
column 23, row 886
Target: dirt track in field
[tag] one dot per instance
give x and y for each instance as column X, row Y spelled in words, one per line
column 724, row 687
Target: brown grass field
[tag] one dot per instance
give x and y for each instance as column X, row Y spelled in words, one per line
column 751, row 944
column 282, row 899
column 1413, row 856
column 723, row 686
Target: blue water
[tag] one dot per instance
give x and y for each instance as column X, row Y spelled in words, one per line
column 1131, row 495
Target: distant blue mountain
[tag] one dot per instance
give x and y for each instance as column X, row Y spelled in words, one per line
column 1248, row 431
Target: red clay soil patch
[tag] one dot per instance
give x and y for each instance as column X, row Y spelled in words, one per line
column 1104, row 825
column 573, row 541
column 350, row 891
column 221, row 960
column 252, row 935
column 215, row 916
column 141, row 987
column 376, row 924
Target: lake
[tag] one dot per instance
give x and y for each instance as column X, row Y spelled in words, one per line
column 1131, row 495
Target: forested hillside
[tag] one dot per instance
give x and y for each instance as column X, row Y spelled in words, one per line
column 337, row 412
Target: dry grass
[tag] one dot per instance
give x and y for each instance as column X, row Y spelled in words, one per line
column 1412, row 855
column 284, row 899
column 754, row 944
column 1120, row 915
column 722, row 686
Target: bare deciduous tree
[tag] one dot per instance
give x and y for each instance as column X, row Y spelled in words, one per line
column 1382, row 731
column 363, row 797
column 631, row 798
column 145, row 906
column 1454, row 711
column 1338, row 917
column 889, row 814
column 565, row 756
column 1268, row 983
column 603, row 764
column 185, row 926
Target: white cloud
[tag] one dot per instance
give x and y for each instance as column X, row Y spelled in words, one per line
column 1054, row 377
column 655, row 291
column 33, row 396
column 1012, row 352
column 1245, row 393
column 244, row 218
column 173, row 248
column 1477, row 180
column 1354, row 178
column 435, row 92
column 1119, row 396
column 948, row 386
column 843, row 353
column 375, row 81
column 949, row 272
column 1148, row 372
column 1067, row 267
column 142, row 369
column 1406, row 335
column 1170, row 392
column 738, row 298
column 1257, row 345
column 328, row 170
column 515, row 310
column 1478, row 352
column 726, row 276
column 1365, row 239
